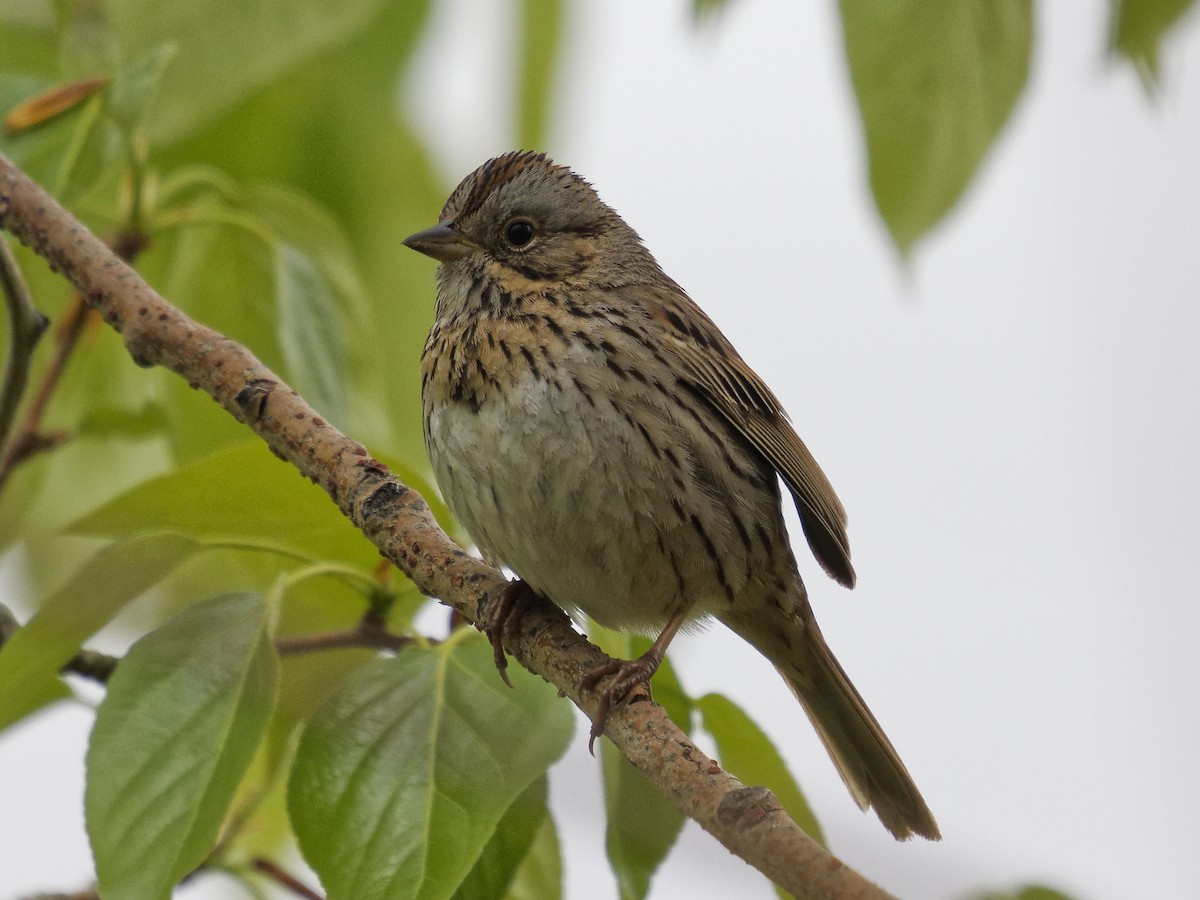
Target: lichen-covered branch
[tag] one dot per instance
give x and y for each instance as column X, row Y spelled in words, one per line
column 748, row 821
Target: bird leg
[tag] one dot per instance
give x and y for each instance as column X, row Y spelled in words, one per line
column 623, row 675
column 506, row 610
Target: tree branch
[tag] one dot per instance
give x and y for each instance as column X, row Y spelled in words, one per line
column 748, row 821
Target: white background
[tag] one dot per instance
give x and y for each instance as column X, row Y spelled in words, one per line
column 1013, row 422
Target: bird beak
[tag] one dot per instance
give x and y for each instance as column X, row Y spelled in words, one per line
column 443, row 242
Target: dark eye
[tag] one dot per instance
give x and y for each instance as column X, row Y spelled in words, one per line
column 519, row 232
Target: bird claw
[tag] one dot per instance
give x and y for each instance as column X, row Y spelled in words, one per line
column 506, row 611
column 625, row 675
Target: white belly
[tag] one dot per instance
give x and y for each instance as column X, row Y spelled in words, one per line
column 564, row 494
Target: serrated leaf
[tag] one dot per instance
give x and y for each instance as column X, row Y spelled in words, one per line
column 643, row 824
column 402, row 776
column 1138, row 29
column 185, row 711
column 493, row 872
column 31, row 660
column 745, row 750
column 935, row 83
column 310, row 332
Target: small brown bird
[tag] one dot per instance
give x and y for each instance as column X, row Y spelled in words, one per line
column 595, row 432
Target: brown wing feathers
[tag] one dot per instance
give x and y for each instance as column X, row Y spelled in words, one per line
column 745, row 401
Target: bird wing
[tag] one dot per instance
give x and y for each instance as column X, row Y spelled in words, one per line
column 716, row 371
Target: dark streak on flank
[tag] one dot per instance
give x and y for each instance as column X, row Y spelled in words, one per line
column 713, row 556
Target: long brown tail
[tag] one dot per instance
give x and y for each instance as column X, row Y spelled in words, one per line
column 864, row 757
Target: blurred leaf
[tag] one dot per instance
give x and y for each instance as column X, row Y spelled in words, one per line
column 243, row 494
column 294, row 249
column 30, row 661
column 935, row 82
column 746, row 751
column 310, row 332
column 1031, row 892
column 351, row 149
column 401, row 777
column 136, row 85
column 109, row 421
column 185, row 711
column 511, row 841
column 228, row 50
column 704, row 11
column 1138, row 28
column 299, row 220
column 539, row 876
column 28, row 41
column 643, row 824
column 541, row 41
column 92, row 146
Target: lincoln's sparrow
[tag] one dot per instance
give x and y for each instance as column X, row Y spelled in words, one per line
column 595, row 432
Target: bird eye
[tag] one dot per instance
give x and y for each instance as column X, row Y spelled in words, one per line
column 519, row 232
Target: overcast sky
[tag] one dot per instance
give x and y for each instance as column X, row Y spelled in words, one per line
column 1013, row 424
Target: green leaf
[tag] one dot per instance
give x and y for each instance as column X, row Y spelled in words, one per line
column 310, row 332
column 541, row 41
column 402, row 776
column 511, row 841
column 539, row 877
column 746, row 751
column 31, row 660
column 643, row 824
column 185, row 711
column 227, row 51
column 935, row 82
column 1138, row 27
column 243, row 494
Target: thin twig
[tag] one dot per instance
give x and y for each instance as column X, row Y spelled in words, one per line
column 88, row 663
column 93, row 664
column 25, row 327
column 29, row 438
column 370, row 633
column 279, row 876
column 749, row 821
column 8, row 624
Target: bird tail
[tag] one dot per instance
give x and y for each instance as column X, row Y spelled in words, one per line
column 863, row 755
